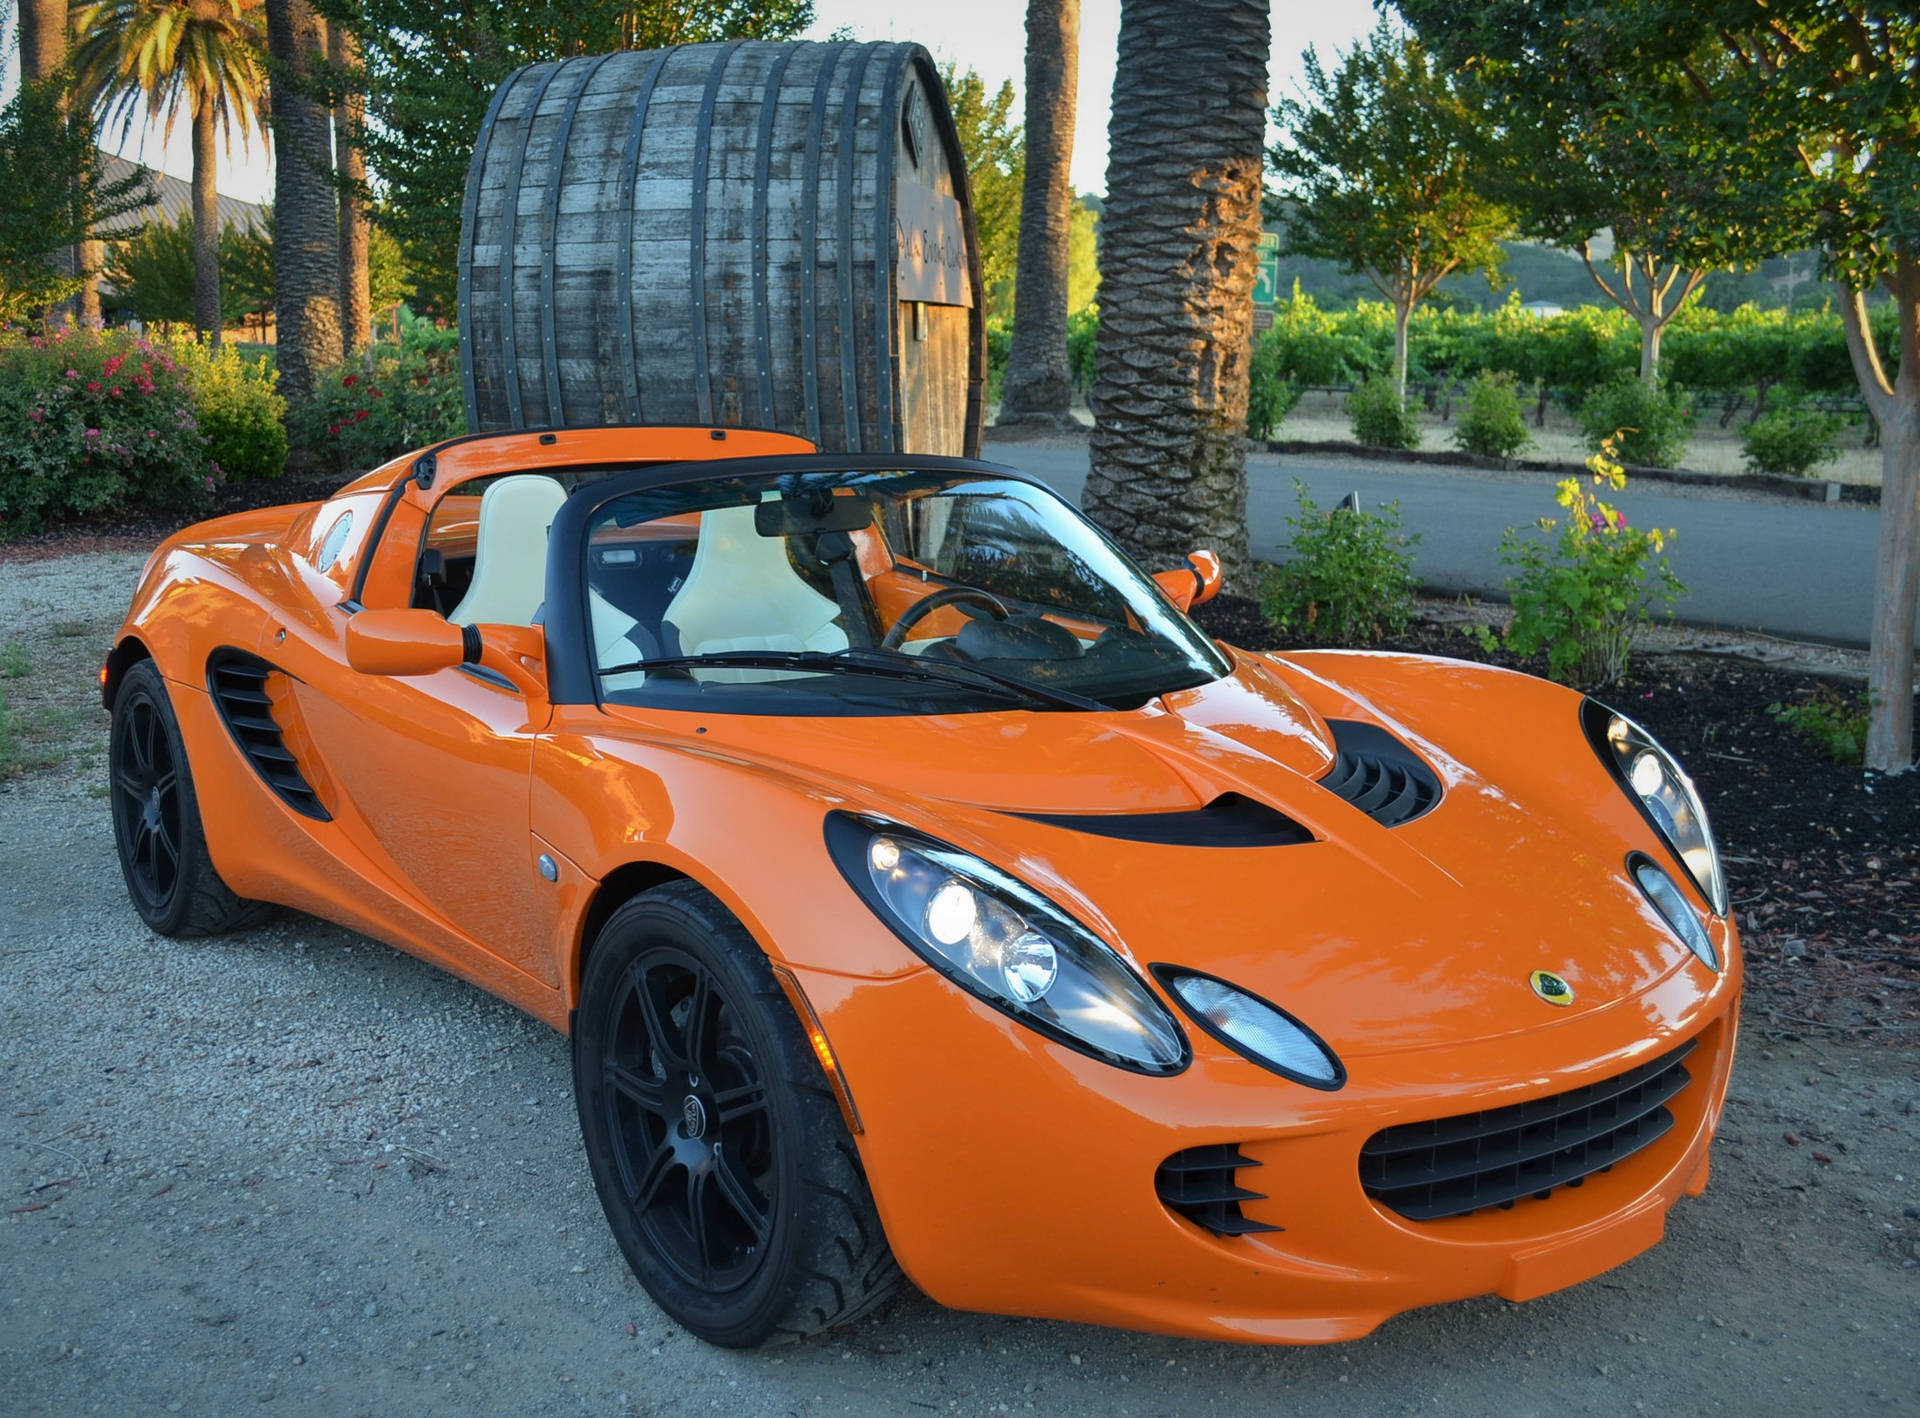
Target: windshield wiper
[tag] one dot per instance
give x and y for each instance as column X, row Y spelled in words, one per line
column 866, row 661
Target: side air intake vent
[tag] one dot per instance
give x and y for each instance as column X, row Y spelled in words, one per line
column 1451, row 1166
column 1378, row 774
column 1199, row 1184
column 1230, row 820
column 238, row 683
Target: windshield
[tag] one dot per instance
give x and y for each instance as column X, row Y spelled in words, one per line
column 875, row 592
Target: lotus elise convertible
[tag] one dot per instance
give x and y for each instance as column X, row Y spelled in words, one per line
column 922, row 891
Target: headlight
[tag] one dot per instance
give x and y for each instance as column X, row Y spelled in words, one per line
column 1665, row 794
column 997, row 938
column 1674, row 908
column 1251, row 1027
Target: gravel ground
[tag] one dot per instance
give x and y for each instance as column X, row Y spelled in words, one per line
column 292, row 1171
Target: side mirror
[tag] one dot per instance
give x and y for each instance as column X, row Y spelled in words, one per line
column 410, row 642
column 1196, row 584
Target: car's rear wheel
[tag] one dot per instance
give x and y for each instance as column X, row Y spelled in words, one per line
column 156, row 819
column 717, row 1148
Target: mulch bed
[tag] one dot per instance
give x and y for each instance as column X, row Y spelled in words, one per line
column 1823, row 860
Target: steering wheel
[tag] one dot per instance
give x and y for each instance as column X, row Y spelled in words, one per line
column 945, row 596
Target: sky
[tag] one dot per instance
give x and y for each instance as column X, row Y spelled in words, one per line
column 985, row 35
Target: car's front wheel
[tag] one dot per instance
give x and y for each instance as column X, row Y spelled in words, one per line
column 716, row 1145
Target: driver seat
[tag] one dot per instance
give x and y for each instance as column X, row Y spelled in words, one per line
column 510, row 552
column 742, row 593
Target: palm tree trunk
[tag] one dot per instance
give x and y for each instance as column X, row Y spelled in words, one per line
column 1039, row 383
column 43, row 38
column 206, row 225
column 306, row 222
column 1180, row 241
column 349, row 116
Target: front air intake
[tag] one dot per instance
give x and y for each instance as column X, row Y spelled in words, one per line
column 1378, row 774
column 1200, row 1184
column 1451, row 1166
column 238, row 683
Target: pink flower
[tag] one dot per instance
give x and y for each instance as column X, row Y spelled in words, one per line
column 333, row 428
column 210, row 481
column 1620, row 521
column 93, row 386
column 73, row 374
column 37, row 415
column 115, row 391
column 360, row 416
column 113, row 366
column 93, row 433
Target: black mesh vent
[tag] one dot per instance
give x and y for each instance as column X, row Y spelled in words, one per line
column 1199, row 1184
column 1378, row 774
column 238, row 683
column 1452, row 1166
column 1230, row 820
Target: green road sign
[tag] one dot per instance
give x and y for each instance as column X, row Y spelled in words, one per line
column 1266, row 279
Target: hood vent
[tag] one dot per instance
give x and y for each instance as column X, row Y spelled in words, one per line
column 238, row 683
column 1378, row 774
column 1230, row 820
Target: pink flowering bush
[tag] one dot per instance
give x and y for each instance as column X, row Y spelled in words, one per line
column 1585, row 590
column 95, row 422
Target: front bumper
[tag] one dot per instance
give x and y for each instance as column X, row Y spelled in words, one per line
column 1015, row 1176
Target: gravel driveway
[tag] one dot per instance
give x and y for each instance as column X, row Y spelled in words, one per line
column 293, row 1171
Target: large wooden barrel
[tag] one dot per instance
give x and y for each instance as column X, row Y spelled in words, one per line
column 759, row 235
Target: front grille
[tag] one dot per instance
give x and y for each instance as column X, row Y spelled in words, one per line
column 1452, row 1166
column 1199, row 1184
column 1378, row 774
column 238, row 684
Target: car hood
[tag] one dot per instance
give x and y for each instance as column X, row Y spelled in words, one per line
column 1381, row 938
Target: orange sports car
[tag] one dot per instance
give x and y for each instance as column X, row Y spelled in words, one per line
column 923, row 892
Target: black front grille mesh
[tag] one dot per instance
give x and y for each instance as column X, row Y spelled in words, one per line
column 238, row 684
column 1378, row 774
column 1199, row 1184
column 1452, row 1166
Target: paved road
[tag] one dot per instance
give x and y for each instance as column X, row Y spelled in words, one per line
column 1800, row 569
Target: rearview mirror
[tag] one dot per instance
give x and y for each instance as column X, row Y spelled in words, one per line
column 1193, row 585
column 409, row 642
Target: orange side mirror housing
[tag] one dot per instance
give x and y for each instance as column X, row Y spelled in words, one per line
column 1195, row 584
column 406, row 642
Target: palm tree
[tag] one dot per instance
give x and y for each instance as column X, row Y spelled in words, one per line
column 349, row 118
column 1039, row 383
column 1179, row 243
column 306, row 212
column 160, row 55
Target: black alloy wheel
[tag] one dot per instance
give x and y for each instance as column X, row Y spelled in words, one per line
column 156, row 818
column 717, row 1148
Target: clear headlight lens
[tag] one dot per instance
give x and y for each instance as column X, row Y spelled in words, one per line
column 1674, row 908
column 1654, row 780
column 999, row 939
column 1248, row 1025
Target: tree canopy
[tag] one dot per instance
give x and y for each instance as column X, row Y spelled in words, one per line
column 996, row 170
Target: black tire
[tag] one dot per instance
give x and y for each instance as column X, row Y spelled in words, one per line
column 728, row 1178
column 156, row 819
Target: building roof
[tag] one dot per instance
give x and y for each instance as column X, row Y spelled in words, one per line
column 173, row 199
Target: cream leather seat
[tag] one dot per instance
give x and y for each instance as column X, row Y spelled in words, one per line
column 510, row 552
column 742, row 593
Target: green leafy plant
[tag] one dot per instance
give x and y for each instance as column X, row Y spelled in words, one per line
column 240, row 414
column 1350, row 578
column 1835, row 726
column 1626, row 420
column 1586, row 590
column 357, row 419
column 1271, row 396
column 14, row 661
column 1493, row 424
column 92, row 422
column 1791, row 440
column 1380, row 417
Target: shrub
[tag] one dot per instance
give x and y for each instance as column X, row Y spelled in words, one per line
column 1083, row 339
column 1381, row 418
column 1350, row 578
column 1585, row 595
column 1493, row 424
column 91, row 422
column 1834, row 726
column 1642, row 425
column 1791, row 440
column 356, row 419
column 1271, row 396
column 240, row 414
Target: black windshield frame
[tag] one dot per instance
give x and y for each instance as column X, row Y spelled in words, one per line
column 572, row 674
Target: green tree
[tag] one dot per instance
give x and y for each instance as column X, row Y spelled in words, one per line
column 1380, row 168
column 1179, row 238
column 1813, row 112
column 58, row 195
column 996, row 174
column 153, row 272
column 155, row 57
column 428, row 72
column 1083, row 258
